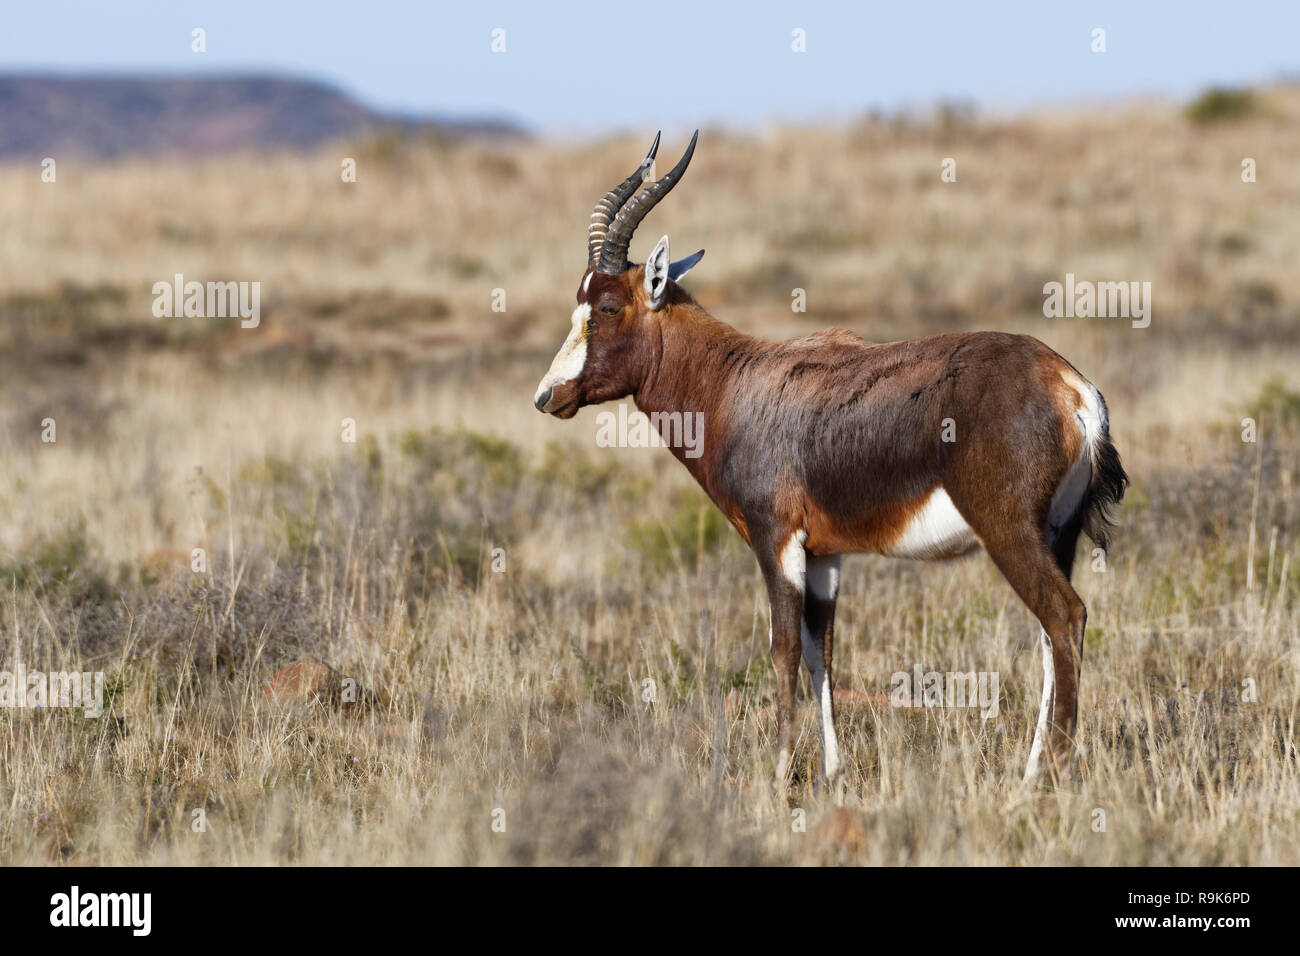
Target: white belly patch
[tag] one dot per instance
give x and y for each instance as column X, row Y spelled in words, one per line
column 936, row 531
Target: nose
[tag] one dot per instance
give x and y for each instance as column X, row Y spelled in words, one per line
column 541, row 400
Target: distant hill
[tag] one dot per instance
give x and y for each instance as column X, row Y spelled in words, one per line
column 111, row 116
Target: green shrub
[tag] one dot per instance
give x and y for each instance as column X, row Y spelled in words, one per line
column 1276, row 399
column 691, row 528
column 1219, row 104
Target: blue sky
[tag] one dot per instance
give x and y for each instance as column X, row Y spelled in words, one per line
column 584, row 67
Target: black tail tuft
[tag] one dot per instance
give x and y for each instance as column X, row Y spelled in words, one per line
column 1104, row 492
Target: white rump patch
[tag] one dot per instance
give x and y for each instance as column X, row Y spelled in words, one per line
column 935, row 532
column 572, row 355
column 1092, row 425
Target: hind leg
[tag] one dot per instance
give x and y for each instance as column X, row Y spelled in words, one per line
column 1063, row 550
column 1038, row 571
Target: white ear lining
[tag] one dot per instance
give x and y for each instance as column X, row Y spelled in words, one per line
column 656, row 273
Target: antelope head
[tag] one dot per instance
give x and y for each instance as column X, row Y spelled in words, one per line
column 610, row 346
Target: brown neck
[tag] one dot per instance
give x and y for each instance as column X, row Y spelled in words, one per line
column 693, row 368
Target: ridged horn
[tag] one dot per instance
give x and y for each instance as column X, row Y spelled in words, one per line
column 613, row 251
column 612, row 202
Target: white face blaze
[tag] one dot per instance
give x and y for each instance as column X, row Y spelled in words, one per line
column 572, row 355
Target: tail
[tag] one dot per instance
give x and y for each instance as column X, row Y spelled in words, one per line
column 1108, row 481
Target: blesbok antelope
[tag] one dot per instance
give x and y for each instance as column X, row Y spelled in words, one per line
column 827, row 444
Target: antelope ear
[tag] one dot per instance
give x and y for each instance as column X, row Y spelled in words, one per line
column 656, row 273
column 683, row 266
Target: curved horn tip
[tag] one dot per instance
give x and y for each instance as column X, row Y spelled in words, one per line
column 648, row 164
column 676, row 172
column 686, row 157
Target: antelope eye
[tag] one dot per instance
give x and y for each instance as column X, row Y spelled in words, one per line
column 591, row 325
column 607, row 308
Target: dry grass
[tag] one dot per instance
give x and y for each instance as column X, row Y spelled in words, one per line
column 522, row 690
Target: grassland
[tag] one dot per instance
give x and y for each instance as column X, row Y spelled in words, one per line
column 508, row 686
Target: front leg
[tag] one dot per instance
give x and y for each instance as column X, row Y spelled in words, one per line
column 784, row 567
column 823, row 586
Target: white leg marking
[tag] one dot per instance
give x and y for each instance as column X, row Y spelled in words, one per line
column 936, row 531
column 813, row 657
column 572, row 356
column 823, row 576
column 1045, row 708
column 782, row 765
column 793, row 566
column 794, row 560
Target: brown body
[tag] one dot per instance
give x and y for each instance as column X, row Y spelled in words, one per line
column 828, row 444
column 843, row 437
